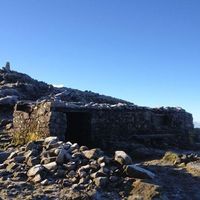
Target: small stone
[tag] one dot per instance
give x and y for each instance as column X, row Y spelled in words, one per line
column 51, row 166
column 66, row 183
column 114, row 179
column 3, row 156
column 74, row 180
column 83, row 148
column 74, row 146
column 70, row 166
column 84, row 180
column 48, row 160
column 82, row 174
column 27, row 154
column 12, row 155
column 104, row 170
column 45, row 182
column 101, row 181
column 51, row 139
column 19, row 159
column 37, row 178
column 9, row 126
column 35, row 145
column 101, row 160
column 20, row 176
column 35, row 170
column 60, row 173
column 32, row 161
column 98, row 174
column 63, row 157
column 2, row 166
column 12, row 166
column 72, row 173
column 57, row 151
column 93, row 153
column 54, row 144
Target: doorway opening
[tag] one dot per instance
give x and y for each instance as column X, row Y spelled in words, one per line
column 79, row 128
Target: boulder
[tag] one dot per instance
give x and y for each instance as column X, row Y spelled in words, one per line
column 135, row 171
column 122, row 158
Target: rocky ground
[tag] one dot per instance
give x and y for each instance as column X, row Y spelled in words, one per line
column 52, row 169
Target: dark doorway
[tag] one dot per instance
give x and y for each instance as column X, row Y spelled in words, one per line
column 79, row 128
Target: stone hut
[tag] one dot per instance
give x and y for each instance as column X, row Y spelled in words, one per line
column 104, row 125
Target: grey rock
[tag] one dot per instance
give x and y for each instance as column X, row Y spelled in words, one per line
column 70, row 166
column 51, row 166
column 32, row 161
column 48, row 160
column 9, row 100
column 83, row 148
column 194, row 168
column 35, row 170
column 135, row 171
column 122, row 158
column 60, row 173
column 37, row 178
column 51, row 139
column 93, row 153
column 19, row 159
column 3, row 156
column 114, row 178
column 12, row 166
column 74, row 146
column 45, row 182
column 63, row 157
column 12, row 155
column 101, row 181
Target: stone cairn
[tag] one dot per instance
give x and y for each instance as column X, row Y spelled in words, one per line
column 7, row 67
column 51, row 161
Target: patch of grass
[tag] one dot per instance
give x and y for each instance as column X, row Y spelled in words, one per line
column 21, row 138
column 171, row 157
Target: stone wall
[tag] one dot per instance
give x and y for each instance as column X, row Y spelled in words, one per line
column 109, row 127
column 39, row 118
column 31, row 118
column 149, row 126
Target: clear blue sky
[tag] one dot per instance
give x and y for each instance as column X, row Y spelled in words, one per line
column 144, row 51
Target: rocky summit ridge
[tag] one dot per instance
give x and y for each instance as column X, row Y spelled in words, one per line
column 16, row 86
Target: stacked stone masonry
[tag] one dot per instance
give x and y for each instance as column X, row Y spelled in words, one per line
column 104, row 126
